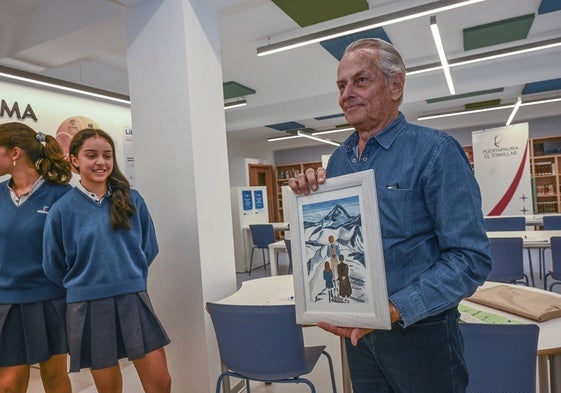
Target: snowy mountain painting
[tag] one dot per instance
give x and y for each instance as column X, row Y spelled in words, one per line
column 340, row 218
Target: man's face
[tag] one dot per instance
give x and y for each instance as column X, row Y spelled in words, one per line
column 367, row 99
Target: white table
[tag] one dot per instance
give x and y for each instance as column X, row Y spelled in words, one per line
column 531, row 239
column 274, row 248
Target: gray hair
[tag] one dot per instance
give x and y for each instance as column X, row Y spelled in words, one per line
column 388, row 58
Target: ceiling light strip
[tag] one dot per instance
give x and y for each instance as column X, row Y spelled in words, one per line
column 235, row 104
column 494, row 108
column 544, row 101
column 517, row 50
column 342, row 129
column 40, row 80
column 459, row 113
column 441, row 54
column 514, row 110
column 282, row 138
column 315, row 138
column 486, row 56
column 367, row 24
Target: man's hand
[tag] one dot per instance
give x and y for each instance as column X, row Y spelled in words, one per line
column 308, row 181
column 354, row 334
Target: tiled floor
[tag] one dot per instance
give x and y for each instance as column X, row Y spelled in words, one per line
column 82, row 382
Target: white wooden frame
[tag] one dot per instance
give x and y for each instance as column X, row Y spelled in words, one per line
column 312, row 219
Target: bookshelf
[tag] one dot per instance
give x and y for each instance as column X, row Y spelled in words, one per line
column 282, row 174
column 545, row 164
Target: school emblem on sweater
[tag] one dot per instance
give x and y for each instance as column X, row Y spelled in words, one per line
column 43, row 210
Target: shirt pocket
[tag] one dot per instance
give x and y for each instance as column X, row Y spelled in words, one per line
column 395, row 206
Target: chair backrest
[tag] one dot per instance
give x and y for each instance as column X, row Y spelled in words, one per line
column 556, row 257
column 508, row 259
column 262, row 234
column 288, row 249
column 500, row 358
column 259, row 342
column 505, row 224
column 551, row 223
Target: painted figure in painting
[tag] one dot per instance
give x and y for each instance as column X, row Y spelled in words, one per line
column 345, row 289
column 328, row 278
column 334, row 252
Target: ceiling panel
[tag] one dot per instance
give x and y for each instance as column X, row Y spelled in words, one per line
column 310, row 12
column 498, row 32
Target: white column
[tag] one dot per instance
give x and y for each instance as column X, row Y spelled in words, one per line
column 175, row 81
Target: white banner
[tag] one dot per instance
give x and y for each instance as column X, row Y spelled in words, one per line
column 501, row 158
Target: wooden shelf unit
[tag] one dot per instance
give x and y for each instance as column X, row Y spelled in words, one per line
column 545, row 166
column 282, row 174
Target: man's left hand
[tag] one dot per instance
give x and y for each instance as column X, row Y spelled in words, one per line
column 354, row 334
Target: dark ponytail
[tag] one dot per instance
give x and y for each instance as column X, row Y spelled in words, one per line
column 42, row 151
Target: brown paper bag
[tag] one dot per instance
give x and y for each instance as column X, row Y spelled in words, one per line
column 537, row 305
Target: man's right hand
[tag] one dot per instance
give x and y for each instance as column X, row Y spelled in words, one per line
column 307, row 181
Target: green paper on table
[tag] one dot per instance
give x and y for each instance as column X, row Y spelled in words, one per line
column 470, row 315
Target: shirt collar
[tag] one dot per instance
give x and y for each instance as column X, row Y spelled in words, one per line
column 22, row 198
column 91, row 195
column 385, row 137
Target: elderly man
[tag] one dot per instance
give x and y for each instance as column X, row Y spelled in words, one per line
column 435, row 247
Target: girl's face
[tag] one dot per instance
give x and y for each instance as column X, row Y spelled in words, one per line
column 94, row 161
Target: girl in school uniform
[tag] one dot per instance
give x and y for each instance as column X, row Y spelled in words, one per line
column 99, row 241
column 32, row 308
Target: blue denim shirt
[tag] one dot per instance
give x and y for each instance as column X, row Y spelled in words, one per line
column 436, row 249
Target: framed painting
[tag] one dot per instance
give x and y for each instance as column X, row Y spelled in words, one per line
column 337, row 254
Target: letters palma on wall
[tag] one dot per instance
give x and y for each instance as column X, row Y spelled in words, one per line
column 15, row 112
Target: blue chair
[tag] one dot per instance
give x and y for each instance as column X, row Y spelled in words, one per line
column 550, row 223
column 262, row 235
column 555, row 272
column 289, row 252
column 264, row 343
column 507, row 223
column 500, row 358
column 508, row 261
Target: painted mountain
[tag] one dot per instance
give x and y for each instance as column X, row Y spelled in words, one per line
column 323, row 220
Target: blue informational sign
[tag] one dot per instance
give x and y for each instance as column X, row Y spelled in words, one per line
column 259, row 203
column 247, row 200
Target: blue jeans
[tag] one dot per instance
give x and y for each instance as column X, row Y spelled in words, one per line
column 426, row 357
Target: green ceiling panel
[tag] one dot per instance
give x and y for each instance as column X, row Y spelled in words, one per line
column 234, row 89
column 309, row 12
column 483, row 104
column 465, row 95
column 499, row 32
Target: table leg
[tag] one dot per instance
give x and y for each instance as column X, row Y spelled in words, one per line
column 543, row 375
column 347, row 386
column 273, row 261
column 555, row 373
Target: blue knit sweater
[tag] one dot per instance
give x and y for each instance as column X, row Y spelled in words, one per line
column 89, row 259
column 21, row 232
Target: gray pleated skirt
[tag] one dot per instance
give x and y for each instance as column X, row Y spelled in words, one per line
column 32, row 332
column 100, row 332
